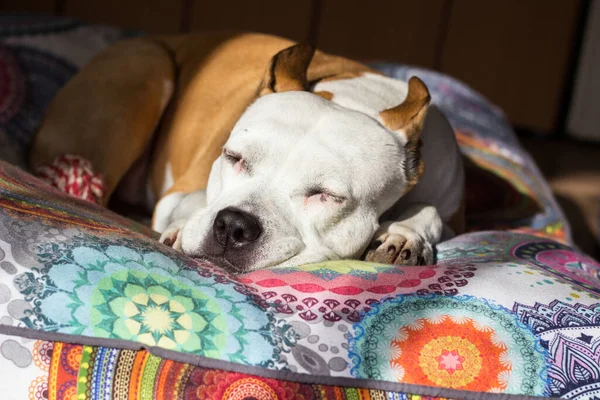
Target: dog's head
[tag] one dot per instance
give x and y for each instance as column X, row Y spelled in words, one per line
column 303, row 179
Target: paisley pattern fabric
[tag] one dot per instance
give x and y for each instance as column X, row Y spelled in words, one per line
column 91, row 306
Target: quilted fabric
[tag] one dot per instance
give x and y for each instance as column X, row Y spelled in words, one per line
column 91, row 306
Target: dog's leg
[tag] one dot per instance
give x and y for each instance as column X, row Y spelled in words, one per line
column 108, row 112
column 409, row 240
column 173, row 211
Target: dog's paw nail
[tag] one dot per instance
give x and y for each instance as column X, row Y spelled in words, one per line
column 405, row 254
column 171, row 238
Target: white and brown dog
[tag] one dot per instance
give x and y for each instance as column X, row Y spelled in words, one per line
column 256, row 152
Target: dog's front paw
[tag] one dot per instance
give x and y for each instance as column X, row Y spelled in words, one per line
column 172, row 235
column 403, row 247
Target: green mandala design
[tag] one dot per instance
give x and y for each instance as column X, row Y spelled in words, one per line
column 157, row 311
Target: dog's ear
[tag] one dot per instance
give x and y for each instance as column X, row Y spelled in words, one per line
column 407, row 118
column 287, row 70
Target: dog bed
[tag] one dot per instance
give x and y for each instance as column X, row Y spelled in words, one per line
column 92, row 306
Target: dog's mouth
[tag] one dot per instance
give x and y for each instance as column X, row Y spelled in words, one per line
column 249, row 257
column 221, row 262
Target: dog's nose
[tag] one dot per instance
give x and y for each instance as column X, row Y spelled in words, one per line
column 234, row 227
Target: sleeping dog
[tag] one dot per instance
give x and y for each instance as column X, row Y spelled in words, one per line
column 256, row 152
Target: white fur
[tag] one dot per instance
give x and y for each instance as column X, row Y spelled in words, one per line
column 164, row 210
column 369, row 94
column 294, row 142
column 167, row 180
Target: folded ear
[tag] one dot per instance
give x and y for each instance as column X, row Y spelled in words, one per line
column 287, row 70
column 407, row 119
column 410, row 114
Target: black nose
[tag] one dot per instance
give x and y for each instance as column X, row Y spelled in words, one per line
column 234, row 227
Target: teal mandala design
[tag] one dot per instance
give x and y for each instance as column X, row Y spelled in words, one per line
column 160, row 311
column 460, row 342
column 95, row 287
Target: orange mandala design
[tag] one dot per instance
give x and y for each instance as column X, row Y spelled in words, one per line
column 38, row 389
column 450, row 354
column 70, row 394
column 42, row 354
column 74, row 357
column 249, row 388
column 450, row 361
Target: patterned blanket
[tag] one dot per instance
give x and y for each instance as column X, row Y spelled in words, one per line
column 91, row 306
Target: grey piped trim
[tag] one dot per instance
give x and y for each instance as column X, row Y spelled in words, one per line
column 212, row 363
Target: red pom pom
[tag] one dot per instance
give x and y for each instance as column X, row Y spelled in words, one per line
column 75, row 176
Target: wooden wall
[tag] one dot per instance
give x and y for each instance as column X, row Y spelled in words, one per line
column 518, row 53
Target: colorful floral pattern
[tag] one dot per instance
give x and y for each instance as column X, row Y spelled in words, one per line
column 459, row 342
column 578, row 269
column 451, row 355
column 126, row 374
column 42, row 354
column 338, row 291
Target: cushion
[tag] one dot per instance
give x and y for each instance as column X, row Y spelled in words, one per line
column 92, row 306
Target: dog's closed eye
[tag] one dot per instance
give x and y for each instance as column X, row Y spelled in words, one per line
column 235, row 159
column 321, row 195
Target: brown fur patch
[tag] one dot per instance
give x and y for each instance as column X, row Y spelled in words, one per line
column 413, row 163
column 328, row 67
column 409, row 117
column 410, row 114
column 325, row 94
column 287, row 70
column 342, row 76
